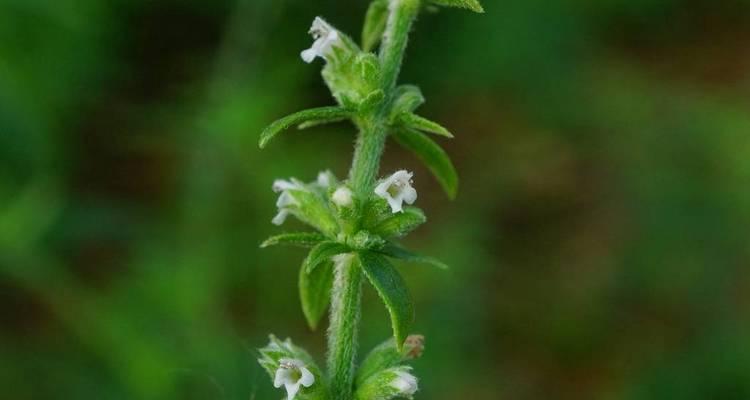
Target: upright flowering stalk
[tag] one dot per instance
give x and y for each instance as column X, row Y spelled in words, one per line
column 358, row 220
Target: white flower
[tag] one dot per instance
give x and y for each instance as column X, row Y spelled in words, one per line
column 342, row 197
column 325, row 38
column 405, row 383
column 292, row 374
column 285, row 198
column 396, row 189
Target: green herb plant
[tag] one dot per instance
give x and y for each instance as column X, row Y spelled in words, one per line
column 358, row 220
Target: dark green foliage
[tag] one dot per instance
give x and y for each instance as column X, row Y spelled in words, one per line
column 395, row 251
column 392, row 290
column 315, row 291
column 374, row 25
column 399, row 224
column 305, row 239
column 322, row 252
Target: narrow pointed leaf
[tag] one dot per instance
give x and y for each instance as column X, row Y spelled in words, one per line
column 375, row 20
column 313, row 114
column 472, row 5
column 399, row 224
column 395, row 251
column 407, row 98
column 414, row 121
column 433, row 156
column 319, row 122
column 315, row 292
column 321, row 253
column 302, row 239
column 392, row 290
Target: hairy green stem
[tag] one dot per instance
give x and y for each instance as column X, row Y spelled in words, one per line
column 400, row 19
column 343, row 328
column 373, row 128
column 367, row 152
column 347, row 289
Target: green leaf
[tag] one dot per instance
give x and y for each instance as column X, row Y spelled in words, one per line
column 395, row 251
column 399, row 224
column 302, row 239
column 374, row 211
column 407, row 99
column 414, row 121
column 433, row 156
column 392, row 290
column 313, row 114
column 375, row 20
column 322, row 252
column 472, row 5
column 315, row 292
column 319, row 122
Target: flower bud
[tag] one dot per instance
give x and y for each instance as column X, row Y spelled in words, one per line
column 342, row 197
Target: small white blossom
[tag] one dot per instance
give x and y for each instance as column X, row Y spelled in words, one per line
column 405, row 383
column 325, row 37
column 292, row 374
column 285, row 198
column 397, row 189
column 342, row 197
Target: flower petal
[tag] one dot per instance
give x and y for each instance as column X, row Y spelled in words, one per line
column 307, row 378
column 291, row 390
column 280, row 217
column 283, row 376
column 409, row 195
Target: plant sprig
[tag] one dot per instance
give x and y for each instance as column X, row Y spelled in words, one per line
column 359, row 220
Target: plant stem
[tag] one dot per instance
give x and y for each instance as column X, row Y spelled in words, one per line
column 400, row 20
column 367, row 152
column 343, row 329
column 373, row 129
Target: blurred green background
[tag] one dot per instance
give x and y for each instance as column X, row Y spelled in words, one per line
column 599, row 242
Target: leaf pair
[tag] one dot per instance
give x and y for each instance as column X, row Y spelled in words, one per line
column 316, row 277
column 316, row 283
column 380, row 220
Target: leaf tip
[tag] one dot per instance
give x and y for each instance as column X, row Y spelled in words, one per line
column 475, row 6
